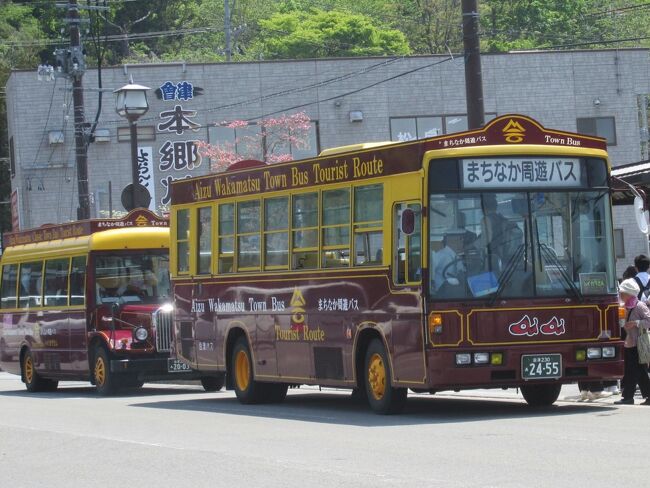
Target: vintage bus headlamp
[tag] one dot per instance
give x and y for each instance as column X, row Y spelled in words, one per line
column 609, row 352
column 463, row 359
column 140, row 334
column 167, row 307
column 481, row 357
column 496, row 359
column 594, row 353
column 581, row 355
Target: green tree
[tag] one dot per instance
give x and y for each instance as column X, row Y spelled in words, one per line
column 317, row 33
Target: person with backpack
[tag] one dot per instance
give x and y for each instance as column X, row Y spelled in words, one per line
column 642, row 278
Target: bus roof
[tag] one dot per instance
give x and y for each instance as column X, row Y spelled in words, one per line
column 358, row 162
column 140, row 229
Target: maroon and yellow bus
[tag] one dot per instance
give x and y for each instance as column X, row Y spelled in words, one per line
column 482, row 259
column 90, row 300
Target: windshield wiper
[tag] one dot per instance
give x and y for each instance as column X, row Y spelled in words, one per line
column 549, row 254
column 507, row 272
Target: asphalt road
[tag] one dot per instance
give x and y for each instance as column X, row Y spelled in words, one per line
column 178, row 436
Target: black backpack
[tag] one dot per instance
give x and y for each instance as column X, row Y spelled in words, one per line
column 644, row 289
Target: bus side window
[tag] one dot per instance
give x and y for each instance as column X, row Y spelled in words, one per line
column 226, row 238
column 78, row 280
column 204, row 241
column 368, row 222
column 56, row 282
column 183, row 241
column 407, row 248
column 304, row 225
column 9, row 283
column 30, row 286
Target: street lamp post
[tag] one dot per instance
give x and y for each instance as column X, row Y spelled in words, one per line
column 131, row 103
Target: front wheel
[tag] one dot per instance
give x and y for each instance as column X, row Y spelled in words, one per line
column 213, row 383
column 383, row 398
column 105, row 381
column 241, row 367
column 541, row 395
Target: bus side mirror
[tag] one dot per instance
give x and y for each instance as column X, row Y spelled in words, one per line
column 408, row 221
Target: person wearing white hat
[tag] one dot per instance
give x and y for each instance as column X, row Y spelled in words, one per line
column 638, row 316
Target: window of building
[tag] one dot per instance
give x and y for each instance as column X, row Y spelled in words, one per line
column 248, row 235
column 56, row 282
column 182, row 241
column 336, row 228
column 30, row 284
column 412, row 128
column 276, row 233
column 619, row 243
column 598, row 126
column 204, row 240
column 145, row 133
column 78, row 281
column 248, row 141
column 226, row 239
column 368, row 222
column 304, row 226
column 8, row 288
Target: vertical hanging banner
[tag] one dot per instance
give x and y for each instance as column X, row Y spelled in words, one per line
column 145, row 173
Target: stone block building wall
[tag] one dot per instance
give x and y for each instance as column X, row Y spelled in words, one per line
column 555, row 88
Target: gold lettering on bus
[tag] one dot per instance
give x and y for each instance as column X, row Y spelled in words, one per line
column 227, row 187
column 202, row 192
column 299, row 178
column 274, row 182
column 330, row 174
column 370, row 167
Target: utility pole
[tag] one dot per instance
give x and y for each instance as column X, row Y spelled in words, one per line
column 473, row 75
column 226, row 24
column 80, row 138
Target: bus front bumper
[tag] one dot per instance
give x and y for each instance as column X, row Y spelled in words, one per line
column 151, row 369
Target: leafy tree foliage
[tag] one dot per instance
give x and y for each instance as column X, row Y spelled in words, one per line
column 317, row 33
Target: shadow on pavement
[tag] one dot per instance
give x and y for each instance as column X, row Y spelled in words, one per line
column 341, row 409
column 67, row 392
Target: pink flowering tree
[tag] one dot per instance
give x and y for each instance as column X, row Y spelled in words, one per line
column 268, row 139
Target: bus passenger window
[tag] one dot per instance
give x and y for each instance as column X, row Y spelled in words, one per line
column 78, row 280
column 276, row 232
column 56, row 282
column 204, row 241
column 182, row 241
column 336, row 228
column 30, row 285
column 407, row 260
column 226, row 241
column 368, row 222
column 9, row 282
column 248, row 235
column 304, row 254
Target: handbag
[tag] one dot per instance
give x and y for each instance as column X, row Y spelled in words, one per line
column 643, row 345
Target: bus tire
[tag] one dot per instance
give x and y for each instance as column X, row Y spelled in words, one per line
column 383, row 398
column 34, row 382
column 248, row 390
column 540, row 395
column 213, row 383
column 106, row 382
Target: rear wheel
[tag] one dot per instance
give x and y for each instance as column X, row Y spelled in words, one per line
column 213, row 383
column 241, row 367
column 541, row 395
column 383, row 398
column 33, row 380
column 106, row 383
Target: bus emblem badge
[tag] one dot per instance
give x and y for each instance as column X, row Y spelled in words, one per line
column 527, row 327
column 141, row 221
column 513, row 132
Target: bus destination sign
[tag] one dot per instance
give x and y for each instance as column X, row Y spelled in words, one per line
column 506, row 172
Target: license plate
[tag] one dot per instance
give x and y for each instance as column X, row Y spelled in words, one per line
column 541, row 366
column 177, row 366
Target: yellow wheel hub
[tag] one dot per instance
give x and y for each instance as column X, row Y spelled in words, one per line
column 242, row 370
column 29, row 369
column 100, row 371
column 377, row 376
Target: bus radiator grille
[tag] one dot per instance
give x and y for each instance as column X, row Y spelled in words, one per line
column 162, row 321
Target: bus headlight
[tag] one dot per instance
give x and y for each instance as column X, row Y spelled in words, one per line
column 609, row 352
column 463, row 359
column 140, row 334
column 594, row 352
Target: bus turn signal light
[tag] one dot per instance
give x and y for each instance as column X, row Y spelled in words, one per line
column 496, row 359
column 435, row 323
column 581, row 355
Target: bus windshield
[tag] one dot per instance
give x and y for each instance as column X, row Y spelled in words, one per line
column 520, row 244
column 130, row 277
